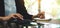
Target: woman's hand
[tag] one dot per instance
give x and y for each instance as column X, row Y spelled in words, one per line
column 17, row 15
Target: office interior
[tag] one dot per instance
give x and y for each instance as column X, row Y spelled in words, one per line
column 49, row 9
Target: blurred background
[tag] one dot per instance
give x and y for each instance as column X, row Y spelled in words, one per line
column 50, row 7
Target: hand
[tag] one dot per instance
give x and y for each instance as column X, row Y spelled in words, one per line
column 17, row 15
column 13, row 16
column 41, row 15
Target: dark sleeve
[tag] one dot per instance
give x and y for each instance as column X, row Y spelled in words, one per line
column 2, row 10
column 22, row 10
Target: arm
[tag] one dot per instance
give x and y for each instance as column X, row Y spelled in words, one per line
column 5, row 18
column 12, row 15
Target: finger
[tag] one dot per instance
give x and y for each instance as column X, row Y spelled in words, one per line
column 19, row 16
column 12, row 15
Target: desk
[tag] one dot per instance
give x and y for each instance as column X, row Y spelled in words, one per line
column 38, row 24
column 53, row 21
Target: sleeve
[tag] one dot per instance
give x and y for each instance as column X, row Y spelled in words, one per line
column 22, row 10
column 2, row 10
